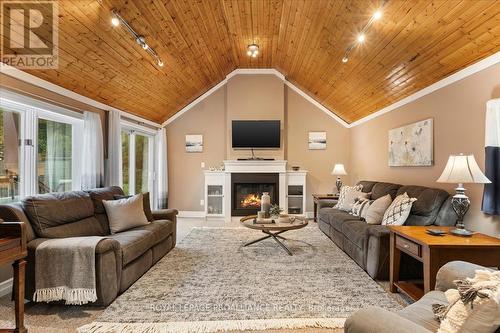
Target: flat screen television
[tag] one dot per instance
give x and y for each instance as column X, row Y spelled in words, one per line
column 258, row 134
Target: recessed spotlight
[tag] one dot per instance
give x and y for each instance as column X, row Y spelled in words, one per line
column 361, row 38
column 145, row 46
column 345, row 59
column 115, row 21
column 377, row 15
column 253, row 50
column 160, row 63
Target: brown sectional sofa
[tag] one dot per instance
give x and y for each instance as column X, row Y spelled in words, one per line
column 121, row 258
column 368, row 245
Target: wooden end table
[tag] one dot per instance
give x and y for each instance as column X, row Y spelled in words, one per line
column 317, row 197
column 273, row 230
column 434, row 252
column 13, row 249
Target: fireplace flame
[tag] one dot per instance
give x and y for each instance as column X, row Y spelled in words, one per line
column 250, row 201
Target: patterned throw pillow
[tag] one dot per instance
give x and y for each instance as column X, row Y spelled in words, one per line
column 347, row 197
column 399, row 210
column 360, row 207
column 473, row 307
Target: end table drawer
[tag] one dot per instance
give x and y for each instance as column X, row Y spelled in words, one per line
column 408, row 246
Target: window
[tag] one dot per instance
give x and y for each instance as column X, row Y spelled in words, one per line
column 38, row 147
column 137, row 160
column 9, row 156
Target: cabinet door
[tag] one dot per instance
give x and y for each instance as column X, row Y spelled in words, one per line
column 295, row 199
column 215, row 200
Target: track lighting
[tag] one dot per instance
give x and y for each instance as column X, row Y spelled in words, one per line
column 361, row 38
column 345, row 59
column 377, row 15
column 141, row 40
column 253, row 50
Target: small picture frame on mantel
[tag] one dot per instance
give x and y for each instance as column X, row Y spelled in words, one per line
column 194, row 143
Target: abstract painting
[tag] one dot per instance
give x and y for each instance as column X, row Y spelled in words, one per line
column 317, row 140
column 412, row 145
column 194, row 143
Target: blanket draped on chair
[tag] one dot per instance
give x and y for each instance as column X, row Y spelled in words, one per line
column 65, row 270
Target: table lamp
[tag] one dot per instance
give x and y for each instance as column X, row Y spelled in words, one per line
column 338, row 170
column 462, row 169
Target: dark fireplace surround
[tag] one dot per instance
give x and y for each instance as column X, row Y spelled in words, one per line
column 246, row 189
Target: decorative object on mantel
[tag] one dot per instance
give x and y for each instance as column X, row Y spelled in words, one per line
column 317, row 140
column 295, row 168
column 462, row 169
column 491, row 204
column 265, row 204
column 338, row 170
column 412, row 145
column 194, row 143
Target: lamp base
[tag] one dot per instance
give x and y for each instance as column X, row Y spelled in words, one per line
column 461, row 232
column 338, row 184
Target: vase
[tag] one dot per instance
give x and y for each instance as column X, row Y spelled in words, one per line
column 265, row 203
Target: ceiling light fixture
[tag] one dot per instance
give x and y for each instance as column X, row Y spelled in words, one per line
column 360, row 39
column 253, row 50
column 141, row 40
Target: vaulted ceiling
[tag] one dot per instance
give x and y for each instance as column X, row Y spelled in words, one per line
column 414, row 44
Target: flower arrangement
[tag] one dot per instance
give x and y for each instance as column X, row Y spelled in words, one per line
column 275, row 210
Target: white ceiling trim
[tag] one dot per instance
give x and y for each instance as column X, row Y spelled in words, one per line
column 255, row 71
column 468, row 71
column 26, row 77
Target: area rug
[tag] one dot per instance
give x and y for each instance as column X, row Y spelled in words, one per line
column 210, row 283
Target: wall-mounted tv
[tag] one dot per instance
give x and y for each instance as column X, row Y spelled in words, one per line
column 258, row 134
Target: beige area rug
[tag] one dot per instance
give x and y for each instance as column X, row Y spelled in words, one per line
column 211, row 283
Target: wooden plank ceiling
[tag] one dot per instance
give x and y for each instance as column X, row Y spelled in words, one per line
column 415, row 44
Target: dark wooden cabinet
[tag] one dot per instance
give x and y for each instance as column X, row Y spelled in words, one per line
column 13, row 251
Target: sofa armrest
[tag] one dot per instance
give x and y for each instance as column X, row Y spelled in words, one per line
column 375, row 319
column 106, row 245
column 326, row 203
column 165, row 214
column 455, row 270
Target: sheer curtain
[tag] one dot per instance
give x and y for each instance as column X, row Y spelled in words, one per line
column 161, row 170
column 92, row 151
column 491, row 195
column 114, row 162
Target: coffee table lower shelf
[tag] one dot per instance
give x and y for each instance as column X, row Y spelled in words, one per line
column 412, row 289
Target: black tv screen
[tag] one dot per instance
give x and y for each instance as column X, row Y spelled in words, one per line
column 256, row 134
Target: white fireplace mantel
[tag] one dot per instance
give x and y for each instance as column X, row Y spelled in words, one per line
column 255, row 166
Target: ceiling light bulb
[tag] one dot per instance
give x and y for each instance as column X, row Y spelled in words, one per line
column 361, row 38
column 249, row 53
column 377, row 15
column 345, row 59
column 254, row 55
column 160, row 63
column 115, row 21
column 145, row 46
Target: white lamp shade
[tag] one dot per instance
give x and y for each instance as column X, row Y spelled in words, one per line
column 462, row 169
column 339, row 170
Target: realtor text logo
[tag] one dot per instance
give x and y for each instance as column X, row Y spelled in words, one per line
column 29, row 34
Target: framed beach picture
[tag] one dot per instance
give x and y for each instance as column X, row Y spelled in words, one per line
column 194, row 143
column 412, row 145
column 317, row 140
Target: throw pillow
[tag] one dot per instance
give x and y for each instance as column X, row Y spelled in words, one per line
column 399, row 210
column 375, row 212
column 473, row 307
column 145, row 203
column 360, row 206
column 347, row 197
column 124, row 214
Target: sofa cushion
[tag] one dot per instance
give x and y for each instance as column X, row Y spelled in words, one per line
column 367, row 185
column 137, row 241
column 380, row 189
column 336, row 217
column 66, row 214
column 356, row 232
column 421, row 312
column 425, row 210
column 124, row 214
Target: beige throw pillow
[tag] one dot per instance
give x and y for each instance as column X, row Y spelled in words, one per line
column 375, row 212
column 124, row 214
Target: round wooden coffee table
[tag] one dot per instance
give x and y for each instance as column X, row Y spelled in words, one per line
column 273, row 230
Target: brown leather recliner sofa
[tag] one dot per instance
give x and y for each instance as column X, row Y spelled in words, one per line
column 121, row 258
column 368, row 245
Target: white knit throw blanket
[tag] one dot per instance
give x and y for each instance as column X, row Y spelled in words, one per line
column 65, row 270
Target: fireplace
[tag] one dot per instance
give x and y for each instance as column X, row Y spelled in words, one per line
column 247, row 188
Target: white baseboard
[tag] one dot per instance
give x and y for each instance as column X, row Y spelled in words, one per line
column 192, row 213
column 6, row 287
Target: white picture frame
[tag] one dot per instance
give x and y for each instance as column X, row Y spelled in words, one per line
column 194, row 143
column 317, row 141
